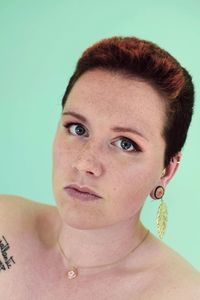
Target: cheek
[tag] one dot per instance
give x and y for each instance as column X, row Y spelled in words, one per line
column 61, row 159
column 61, row 152
column 134, row 183
column 57, row 154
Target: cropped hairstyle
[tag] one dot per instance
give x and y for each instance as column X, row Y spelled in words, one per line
column 133, row 57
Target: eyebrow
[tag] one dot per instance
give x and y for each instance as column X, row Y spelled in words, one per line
column 116, row 128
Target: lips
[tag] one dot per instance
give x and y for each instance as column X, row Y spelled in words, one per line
column 84, row 189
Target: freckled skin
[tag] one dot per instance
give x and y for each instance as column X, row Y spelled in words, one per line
column 123, row 179
column 106, row 231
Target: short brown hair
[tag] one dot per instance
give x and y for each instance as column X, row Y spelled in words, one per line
column 132, row 57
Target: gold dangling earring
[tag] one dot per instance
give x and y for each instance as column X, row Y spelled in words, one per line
column 162, row 213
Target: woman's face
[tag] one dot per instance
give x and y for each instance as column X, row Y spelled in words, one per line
column 121, row 166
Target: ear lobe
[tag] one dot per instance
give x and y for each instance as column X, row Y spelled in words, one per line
column 167, row 173
column 171, row 169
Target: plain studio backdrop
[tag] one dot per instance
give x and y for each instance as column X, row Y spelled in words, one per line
column 40, row 43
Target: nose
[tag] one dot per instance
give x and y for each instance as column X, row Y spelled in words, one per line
column 87, row 161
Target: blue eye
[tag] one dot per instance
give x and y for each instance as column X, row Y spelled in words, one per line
column 77, row 125
column 125, row 144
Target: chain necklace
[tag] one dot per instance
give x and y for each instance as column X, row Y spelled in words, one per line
column 73, row 268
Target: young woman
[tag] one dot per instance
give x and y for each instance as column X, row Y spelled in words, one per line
column 125, row 116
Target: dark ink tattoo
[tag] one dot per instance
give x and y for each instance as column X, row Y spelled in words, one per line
column 7, row 261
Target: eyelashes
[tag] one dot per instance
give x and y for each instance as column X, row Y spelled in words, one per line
column 127, row 141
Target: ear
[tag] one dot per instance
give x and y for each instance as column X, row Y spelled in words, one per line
column 169, row 172
column 171, row 169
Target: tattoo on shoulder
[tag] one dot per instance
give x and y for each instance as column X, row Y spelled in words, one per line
column 6, row 261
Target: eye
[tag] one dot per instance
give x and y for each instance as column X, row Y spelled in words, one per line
column 79, row 128
column 127, row 143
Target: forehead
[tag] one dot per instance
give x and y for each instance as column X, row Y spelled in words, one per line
column 114, row 99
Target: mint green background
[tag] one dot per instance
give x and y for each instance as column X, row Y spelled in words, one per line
column 40, row 42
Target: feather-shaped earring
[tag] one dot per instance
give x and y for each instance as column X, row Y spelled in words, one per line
column 162, row 214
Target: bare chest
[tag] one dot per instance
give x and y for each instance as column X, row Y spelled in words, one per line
column 37, row 277
column 37, row 273
column 34, row 278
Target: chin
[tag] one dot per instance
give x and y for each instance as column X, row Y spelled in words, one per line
column 81, row 221
column 81, row 225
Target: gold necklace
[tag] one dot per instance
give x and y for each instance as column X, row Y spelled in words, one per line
column 73, row 269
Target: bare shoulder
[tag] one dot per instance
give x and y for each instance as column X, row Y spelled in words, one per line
column 8, row 199
column 174, row 277
column 182, row 277
column 19, row 215
column 13, row 212
column 23, row 226
column 15, row 203
column 17, row 211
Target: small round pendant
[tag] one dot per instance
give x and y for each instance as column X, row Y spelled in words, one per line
column 72, row 273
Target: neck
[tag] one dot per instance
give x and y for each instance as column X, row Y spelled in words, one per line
column 96, row 247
